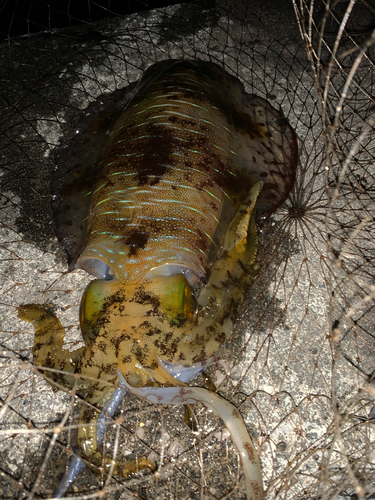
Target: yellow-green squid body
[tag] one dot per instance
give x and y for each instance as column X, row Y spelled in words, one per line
column 161, row 203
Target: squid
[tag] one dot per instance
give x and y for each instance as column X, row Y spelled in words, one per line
column 159, row 195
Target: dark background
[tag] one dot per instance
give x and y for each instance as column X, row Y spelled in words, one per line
column 31, row 16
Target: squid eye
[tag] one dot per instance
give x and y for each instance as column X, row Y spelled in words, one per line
column 176, row 298
column 93, row 308
column 92, row 301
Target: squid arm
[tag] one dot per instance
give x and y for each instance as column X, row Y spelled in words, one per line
column 49, row 353
column 48, row 345
column 226, row 411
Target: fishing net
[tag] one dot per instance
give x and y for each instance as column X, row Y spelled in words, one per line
column 300, row 368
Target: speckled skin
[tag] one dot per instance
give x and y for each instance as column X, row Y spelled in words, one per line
column 177, row 184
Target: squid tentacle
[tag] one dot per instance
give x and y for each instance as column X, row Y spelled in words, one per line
column 76, row 466
column 89, row 449
column 226, row 411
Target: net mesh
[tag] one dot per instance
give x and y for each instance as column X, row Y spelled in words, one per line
column 300, row 368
